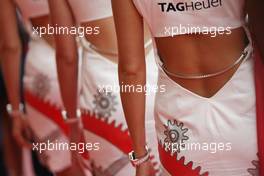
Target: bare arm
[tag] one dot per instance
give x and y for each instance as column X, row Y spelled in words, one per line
column 131, row 68
column 10, row 51
column 66, row 55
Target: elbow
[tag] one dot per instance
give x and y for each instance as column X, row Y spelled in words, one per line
column 8, row 48
column 131, row 70
column 66, row 58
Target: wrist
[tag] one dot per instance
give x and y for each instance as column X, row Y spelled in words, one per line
column 138, row 160
column 72, row 121
column 139, row 145
column 15, row 111
column 140, row 151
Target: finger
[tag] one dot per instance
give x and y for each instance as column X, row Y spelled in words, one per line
column 83, row 163
column 85, row 154
column 76, row 165
column 28, row 134
column 27, row 128
column 21, row 140
column 25, row 123
column 79, row 160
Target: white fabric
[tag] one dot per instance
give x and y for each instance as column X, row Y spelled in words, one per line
column 89, row 10
column 220, row 13
column 33, row 8
column 227, row 117
column 83, row 10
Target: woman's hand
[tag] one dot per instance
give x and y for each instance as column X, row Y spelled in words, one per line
column 145, row 169
column 76, row 133
column 79, row 159
column 21, row 130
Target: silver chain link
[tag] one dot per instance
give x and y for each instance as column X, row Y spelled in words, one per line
column 203, row 76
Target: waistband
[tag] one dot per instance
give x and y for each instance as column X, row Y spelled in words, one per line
column 87, row 46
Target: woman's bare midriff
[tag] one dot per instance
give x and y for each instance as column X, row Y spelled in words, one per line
column 106, row 41
column 202, row 54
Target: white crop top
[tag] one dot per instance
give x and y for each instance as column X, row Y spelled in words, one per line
column 164, row 15
column 33, row 8
column 90, row 10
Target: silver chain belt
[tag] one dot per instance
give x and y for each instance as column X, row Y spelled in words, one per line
column 203, row 76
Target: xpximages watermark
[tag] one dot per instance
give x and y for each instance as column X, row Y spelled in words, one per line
column 177, row 139
column 63, row 30
column 211, row 147
column 80, row 147
column 126, row 88
column 213, row 31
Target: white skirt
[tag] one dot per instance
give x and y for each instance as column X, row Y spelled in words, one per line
column 213, row 136
column 98, row 73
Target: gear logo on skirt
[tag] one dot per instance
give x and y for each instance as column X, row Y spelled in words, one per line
column 175, row 134
column 105, row 103
column 41, row 85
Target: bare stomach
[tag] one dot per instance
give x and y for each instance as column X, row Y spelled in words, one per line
column 201, row 54
column 106, row 42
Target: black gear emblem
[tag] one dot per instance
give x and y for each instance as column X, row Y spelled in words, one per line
column 41, row 85
column 104, row 103
column 175, row 133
